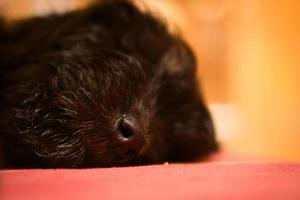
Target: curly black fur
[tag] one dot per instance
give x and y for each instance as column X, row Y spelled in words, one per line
column 67, row 79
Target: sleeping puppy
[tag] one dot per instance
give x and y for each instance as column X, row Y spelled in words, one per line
column 105, row 86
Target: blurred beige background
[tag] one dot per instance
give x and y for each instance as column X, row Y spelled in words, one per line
column 249, row 64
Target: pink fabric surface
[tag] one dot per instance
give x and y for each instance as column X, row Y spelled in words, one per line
column 234, row 180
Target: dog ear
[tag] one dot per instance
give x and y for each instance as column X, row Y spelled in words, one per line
column 3, row 37
column 179, row 60
column 189, row 126
column 3, row 31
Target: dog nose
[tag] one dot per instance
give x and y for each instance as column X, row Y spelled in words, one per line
column 131, row 135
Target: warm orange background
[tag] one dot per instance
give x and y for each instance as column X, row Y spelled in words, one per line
column 249, row 63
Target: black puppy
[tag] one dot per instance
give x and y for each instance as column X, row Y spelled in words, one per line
column 105, row 86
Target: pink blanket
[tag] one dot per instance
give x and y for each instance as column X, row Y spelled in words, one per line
column 235, row 180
